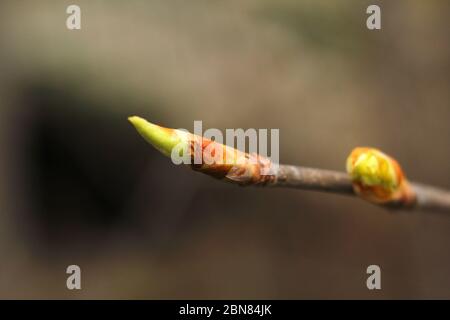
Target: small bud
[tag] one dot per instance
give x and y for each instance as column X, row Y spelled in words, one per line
column 378, row 178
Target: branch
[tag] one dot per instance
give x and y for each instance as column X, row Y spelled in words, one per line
column 427, row 197
column 371, row 174
column 313, row 179
column 431, row 198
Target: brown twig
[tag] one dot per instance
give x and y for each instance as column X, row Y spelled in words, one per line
column 312, row 179
column 427, row 197
column 431, row 198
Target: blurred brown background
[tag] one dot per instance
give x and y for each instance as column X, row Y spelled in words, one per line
column 79, row 186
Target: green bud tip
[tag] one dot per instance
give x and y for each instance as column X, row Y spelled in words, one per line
column 163, row 139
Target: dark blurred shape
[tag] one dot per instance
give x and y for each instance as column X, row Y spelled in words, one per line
column 83, row 163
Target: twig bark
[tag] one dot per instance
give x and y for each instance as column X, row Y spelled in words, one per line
column 427, row 197
column 431, row 198
column 312, row 179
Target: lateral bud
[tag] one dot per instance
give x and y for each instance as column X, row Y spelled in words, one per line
column 378, row 178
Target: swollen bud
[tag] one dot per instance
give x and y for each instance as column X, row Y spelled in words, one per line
column 378, row 178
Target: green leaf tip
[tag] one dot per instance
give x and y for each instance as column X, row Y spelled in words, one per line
column 163, row 139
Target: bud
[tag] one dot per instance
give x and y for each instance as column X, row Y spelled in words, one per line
column 217, row 160
column 378, row 178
